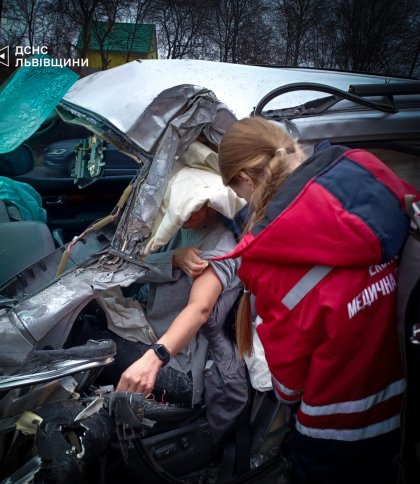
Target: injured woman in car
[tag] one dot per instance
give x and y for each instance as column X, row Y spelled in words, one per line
column 177, row 350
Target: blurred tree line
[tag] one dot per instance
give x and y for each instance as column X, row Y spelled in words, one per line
column 381, row 36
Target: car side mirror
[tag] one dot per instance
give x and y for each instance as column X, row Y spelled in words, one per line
column 17, row 162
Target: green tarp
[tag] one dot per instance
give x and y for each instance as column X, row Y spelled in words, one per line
column 24, row 197
column 28, row 97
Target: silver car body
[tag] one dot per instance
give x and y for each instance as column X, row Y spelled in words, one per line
column 153, row 110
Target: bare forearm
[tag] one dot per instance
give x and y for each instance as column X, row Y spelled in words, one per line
column 141, row 375
column 184, row 327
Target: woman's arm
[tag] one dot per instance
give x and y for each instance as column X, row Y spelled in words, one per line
column 141, row 376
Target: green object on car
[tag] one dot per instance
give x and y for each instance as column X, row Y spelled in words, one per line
column 28, row 98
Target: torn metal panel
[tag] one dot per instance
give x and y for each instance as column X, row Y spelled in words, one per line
column 200, row 112
column 169, row 122
column 47, row 365
column 18, row 401
column 54, row 310
column 166, row 127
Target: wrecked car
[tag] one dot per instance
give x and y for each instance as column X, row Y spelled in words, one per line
column 57, row 425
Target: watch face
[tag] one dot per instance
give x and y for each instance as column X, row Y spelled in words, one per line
column 162, row 353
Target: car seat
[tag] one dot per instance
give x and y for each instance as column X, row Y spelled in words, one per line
column 22, row 242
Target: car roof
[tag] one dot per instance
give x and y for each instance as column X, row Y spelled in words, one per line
column 122, row 95
column 240, row 87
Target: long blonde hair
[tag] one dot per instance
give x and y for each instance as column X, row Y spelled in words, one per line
column 267, row 154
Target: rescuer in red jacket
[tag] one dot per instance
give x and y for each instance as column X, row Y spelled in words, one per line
column 320, row 254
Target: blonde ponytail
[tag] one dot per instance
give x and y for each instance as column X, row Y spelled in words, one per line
column 272, row 176
column 267, row 154
column 244, row 325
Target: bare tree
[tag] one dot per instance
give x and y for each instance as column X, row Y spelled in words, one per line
column 180, row 27
column 255, row 43
column 105, row 16
column 30, row 12
column 413, row 39
column 235, row 28
column 374, row 36
column 78, row 16
column 88, row 21
column 27, row 22
column 93, row 22
column 300, row 26
column 136, row 13
column 368, row 32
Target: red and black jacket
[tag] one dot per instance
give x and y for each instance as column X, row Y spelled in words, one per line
column 322, row 266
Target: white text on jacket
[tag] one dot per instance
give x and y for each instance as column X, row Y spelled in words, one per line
column 370, row 294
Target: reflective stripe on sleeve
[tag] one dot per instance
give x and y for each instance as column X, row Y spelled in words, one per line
column 355, row 406
column 287, row 391
column 287, row 401
column 305, row 285
column 349, row 435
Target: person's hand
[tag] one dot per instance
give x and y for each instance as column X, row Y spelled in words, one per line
column 140, row 377
column 187, row 259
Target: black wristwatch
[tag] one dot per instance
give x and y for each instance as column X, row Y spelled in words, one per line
column 161, row 352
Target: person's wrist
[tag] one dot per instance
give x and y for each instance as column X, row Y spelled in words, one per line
column 161, row 352
column 152, row 359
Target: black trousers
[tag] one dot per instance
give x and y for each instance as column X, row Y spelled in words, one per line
column 171, row 386
column 368, row 461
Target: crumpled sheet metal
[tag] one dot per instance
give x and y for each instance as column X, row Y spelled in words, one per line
column 132, row 88
column 168, row 125
column 46, row 318
column 56, row 390
column 15, row 342
column 202, row 112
